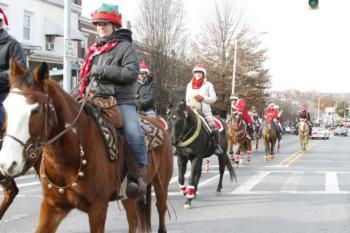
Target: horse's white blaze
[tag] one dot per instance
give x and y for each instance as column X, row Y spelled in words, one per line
column 18, row 115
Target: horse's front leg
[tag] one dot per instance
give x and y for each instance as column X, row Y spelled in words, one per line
column 50, row 217
column 230, row 147
column 10, row 192
column 267, row 148
column 238, row 153
column 97, row 216
column 195, row 162
column 182, row 165
column 197, row 176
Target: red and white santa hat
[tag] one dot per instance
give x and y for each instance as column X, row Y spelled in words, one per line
column 144, row 68
column 3, row 17
column 270, row 104
column 200, row 68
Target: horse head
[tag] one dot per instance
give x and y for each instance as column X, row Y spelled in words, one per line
column 30, row 116
column 236, row 121
column 178, row 121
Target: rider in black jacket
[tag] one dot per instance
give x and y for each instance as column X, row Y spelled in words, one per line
column 114, row 62
column 145, row 90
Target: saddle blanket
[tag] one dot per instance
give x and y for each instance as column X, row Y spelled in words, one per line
column 163, row 122
column 217, row 122
column 153, row 135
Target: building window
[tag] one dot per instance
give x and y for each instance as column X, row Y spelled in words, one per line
column 50, row 42
column 83, row 47
column 26, row 25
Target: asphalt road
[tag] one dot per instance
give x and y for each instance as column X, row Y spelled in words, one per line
column 296, row 192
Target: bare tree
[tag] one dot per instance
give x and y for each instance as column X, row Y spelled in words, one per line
column 216, row 48
column 161, row 32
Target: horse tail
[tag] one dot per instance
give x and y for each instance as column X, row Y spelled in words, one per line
column 144, row 209
column 229, row 167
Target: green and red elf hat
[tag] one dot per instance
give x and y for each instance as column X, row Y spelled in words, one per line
column 107, row 13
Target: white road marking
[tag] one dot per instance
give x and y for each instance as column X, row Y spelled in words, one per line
column 332, row 184
column 292, row 182
column 251, row 183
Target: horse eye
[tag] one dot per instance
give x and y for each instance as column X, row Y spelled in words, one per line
column 35, row 111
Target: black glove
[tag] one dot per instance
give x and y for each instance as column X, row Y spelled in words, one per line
column 96, row 70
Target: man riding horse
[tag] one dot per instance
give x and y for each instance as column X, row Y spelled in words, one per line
column 240, row 105
column 304, row 115
column 273, row 113
column 200, row 93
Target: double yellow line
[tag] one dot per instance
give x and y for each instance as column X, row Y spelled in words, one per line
column 294, row 157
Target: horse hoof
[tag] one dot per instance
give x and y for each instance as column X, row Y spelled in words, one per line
column 187, row 206
column 265, row 157
column 248, row 159
column 218, row 193
column 240, row 161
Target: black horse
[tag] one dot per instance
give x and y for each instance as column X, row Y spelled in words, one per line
column 193, row 142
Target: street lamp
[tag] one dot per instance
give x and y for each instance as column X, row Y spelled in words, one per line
column 318, row 107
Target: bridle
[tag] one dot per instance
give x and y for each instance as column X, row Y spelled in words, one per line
column 33, row 148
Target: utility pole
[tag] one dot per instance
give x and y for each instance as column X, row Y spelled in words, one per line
column 67, row 82
column 234, row 68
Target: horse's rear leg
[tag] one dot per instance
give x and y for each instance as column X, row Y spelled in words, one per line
column 161, row 191
column 50, row 217
column 182, row 166
column 222, row 171
column 249, row 150
column 131, row 214
column 10, row 192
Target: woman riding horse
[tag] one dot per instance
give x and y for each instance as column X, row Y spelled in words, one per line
column 115, row 63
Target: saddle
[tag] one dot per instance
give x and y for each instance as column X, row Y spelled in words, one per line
column 108, row 117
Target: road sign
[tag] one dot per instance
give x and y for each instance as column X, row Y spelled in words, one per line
column 55, row 72
column 69, row 49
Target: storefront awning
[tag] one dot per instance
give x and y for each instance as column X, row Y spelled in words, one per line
column 53, row 29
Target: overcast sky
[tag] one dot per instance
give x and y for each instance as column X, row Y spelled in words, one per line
column 307, row 49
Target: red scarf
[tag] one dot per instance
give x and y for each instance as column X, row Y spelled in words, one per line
column 196, row 84
column 93, row 51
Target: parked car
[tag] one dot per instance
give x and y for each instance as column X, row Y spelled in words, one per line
column 341, row 131
column 319, row 132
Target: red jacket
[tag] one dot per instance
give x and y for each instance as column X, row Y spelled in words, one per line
column 271, row 113
column 242, row 107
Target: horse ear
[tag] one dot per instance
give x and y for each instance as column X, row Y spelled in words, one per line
column 16, row 70
column 186, row 113
column 41, row 72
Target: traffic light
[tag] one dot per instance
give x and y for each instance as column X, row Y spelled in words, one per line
column 313, row 4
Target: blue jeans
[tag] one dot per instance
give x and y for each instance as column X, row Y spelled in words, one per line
column 2, row 110
column 133, row 133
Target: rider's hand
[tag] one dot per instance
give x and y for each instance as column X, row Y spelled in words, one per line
column 96, row 70
column 199, row 98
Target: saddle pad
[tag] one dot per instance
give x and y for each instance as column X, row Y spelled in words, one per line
column 153, row 136
column 106, row 128
column 217, row 122
column 163, row 122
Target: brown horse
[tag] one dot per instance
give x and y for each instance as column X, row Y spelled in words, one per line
column 75, row 170
column 303, row 131
column 236, row 134
column 269, row 134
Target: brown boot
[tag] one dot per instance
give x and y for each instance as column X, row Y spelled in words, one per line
column 137, row 186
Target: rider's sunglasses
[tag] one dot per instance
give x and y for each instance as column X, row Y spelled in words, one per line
column 143, row 73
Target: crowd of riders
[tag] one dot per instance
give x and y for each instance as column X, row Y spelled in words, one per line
column 118, row 71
